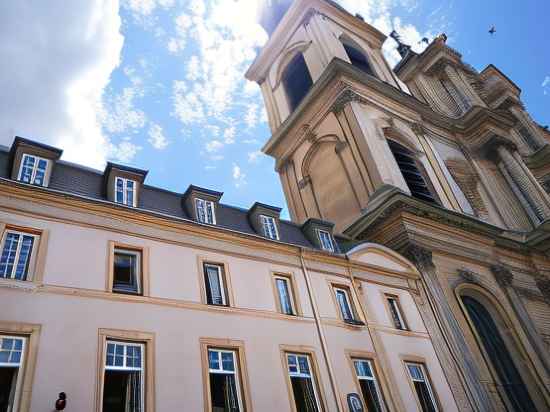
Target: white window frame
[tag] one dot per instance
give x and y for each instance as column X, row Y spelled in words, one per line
column 328, row 243
column 288, row 282
column 424, row 379
column 265, row 222
column 137, row 269
column 300, row 374
column 140, row 369
column 223, row 290
column 347, row 296
column 205, row 205
column 393, row 302
column 37, row 159
column 372, row 378
column 221, row 371
column 20, row 369
column 31, row 257
column 125, row 191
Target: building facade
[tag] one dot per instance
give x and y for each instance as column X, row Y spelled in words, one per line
column 414, row 275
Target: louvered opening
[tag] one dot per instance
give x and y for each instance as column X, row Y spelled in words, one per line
column 411, row 173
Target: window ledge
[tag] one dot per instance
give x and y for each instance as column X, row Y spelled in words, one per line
column 18, row 284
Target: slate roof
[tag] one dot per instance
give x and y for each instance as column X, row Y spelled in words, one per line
column 82, row 181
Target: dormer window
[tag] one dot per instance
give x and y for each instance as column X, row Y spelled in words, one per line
column 125, row 191
column 269, row 227
column 204, row 210
column 325, row 240
column 33, row 170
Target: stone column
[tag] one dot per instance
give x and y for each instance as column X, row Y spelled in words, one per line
column 449, row 341
column 505, row 278
column 457, row 89
column 535, row 200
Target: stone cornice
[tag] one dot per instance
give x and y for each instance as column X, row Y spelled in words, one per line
column 503, row 275
column 538, row 159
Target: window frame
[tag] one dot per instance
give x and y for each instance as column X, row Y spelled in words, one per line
column 144, row 268
column 314, row 369
column 264, row 219
column 330, row 239
column 205, row 206
column 292, row 288
column 125, row 181
column 356, row 320
column 375, row 378
column 399, row 310
column 29, row 275
column 34, row 169
column 427, row 380
column 146, row 339
column 31, row 333
column 242, row 380
column 201, row 261
column 20, row 367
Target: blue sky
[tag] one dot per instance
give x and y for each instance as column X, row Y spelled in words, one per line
column 159, row 84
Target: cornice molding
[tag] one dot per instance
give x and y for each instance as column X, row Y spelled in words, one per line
column 503, row 275
column 344, row 98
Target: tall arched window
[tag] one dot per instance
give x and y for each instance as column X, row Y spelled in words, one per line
column 500, row 357
column 358, row 58
column 411, row 172
column 296, row 80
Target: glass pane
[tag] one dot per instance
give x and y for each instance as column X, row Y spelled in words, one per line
column 210, row 212
column 216, row 292
column 199, row 203
column 292, row 363
column 40, row 172
column 304, row 394
column 125, row 272
column 424, row 397
column 415, row 371
column 224, row 393
column 130, row 192
column 344, row 305
column 24, row 258
column 371, row 395
column 7, row 259
column 363, row 369
column 213, row 360
column 394, row 309
column 227, row 362
column 119, row 190
column 304, row 365
column 284, row 296
column 28, row 166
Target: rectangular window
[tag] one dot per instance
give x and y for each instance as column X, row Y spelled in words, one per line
column 325, row 240
column 285, row 294
column 347, row 311
column 205, row 211
column 124, row 377
column 33, row 170
column 125, row 191
column 424, row 392
column 369, row 385
column 225, row 386
column 17, row 254
column 303, row 382
column 12, row 354
column 127, row 272
column 269, row 227
column 395, row 311
column 214, row 280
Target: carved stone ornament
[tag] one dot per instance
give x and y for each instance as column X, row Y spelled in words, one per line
column 543, row 283
column 304, row 182
column 340, row 146
column 345, row 97
column 420, row 256
column 418, row 129
column 468, row 275
column 502, row 275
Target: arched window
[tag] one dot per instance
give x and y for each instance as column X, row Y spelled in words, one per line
column 358, row 58
column 296, row 80
column 411, row 172
column 500, row 357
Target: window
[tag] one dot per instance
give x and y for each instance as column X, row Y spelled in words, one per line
column 33, row 170
column 358, row 58
column 225, row 386
column 127, row 273
column 344, row 303
column 214, row 280
column 285, row 295
column 17, row 254
column 269, row 227
column 395, row 311
column 296, row 81
column 124, row 377
column 125, row 191
column 12, row 354
column 411, row 172
column 424, row 393
column 304, row 387
column 369, row 385
column 325, row 240
column 205, row 211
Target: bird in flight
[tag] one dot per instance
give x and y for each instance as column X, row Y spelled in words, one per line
column 492, row 30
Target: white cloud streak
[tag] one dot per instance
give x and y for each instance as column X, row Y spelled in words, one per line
column 156, row 137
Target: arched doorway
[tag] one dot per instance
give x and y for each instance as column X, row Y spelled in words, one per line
column 499, row 355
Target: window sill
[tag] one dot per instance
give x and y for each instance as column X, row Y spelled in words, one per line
column 354, row 322
column 18, row 284
column 126, row 292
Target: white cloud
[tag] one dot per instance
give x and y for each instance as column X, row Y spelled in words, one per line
column 119, row 113
column 546, row 85
column 54, row 73
column 251, row 116
column 229, row 135
column 254, row 157
column 213, row 146
column 156, row 137
column 124, row 152
column 146, row 7
column 239, row 178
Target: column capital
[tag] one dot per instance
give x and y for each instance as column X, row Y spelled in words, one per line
column 420, row 256
column 345, row 97
column 503, row 275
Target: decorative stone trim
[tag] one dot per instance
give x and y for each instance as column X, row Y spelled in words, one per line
column 503, row 275
column 468, row 275
column 419, row 256
column 345, row 97
column 304, row 182
column 543, row 283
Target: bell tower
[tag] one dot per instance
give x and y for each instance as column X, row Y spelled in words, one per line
column 325, row 84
